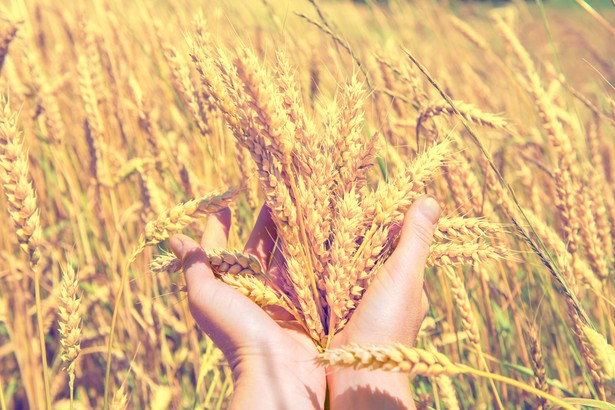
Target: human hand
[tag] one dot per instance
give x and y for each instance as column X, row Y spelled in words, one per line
column 271, row 358
column 391, row 311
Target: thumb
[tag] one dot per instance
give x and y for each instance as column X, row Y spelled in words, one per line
column 194, row 261
column 391, row 309
column 406, row 265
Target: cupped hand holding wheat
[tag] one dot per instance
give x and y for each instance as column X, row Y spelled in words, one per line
column 271, row 357
column 270, row 345
column 391, row 311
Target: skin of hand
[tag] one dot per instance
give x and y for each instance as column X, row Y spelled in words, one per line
column 272, row 358
column 391, row 311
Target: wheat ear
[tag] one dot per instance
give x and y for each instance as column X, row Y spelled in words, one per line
column 179, row 217
column 22, row 207
column 238, row 270
column 416, row 362
column 469, row 112
column 70, row 324
column 538, row 366
column 460, row 228
column 603, row 351
column 447, row 254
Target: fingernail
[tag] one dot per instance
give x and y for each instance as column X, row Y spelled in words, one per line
column 176, row 245
column 430, row 208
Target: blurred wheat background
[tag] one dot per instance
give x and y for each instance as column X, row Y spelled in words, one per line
column 107, row 121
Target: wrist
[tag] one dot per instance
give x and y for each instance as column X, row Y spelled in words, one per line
column 267, row 382
column 369, row 389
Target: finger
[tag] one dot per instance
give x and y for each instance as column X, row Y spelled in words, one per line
column 217, row 229
column 263, row 238
column 228, row 317
column 194, row 261
column 405, row 268
column 391, row 309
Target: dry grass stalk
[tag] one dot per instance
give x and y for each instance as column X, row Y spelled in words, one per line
column 528, row 179
column 575, row 269
column 408, row 75
column 599, row 194
column 388, row 80
column 249, row 177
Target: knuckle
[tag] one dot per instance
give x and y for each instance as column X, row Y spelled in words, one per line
column 423, row 233
column 195, row 299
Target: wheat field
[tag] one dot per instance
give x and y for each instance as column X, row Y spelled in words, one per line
column 122, row 123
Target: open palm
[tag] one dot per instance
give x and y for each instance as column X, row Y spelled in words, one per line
column 267, row 350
